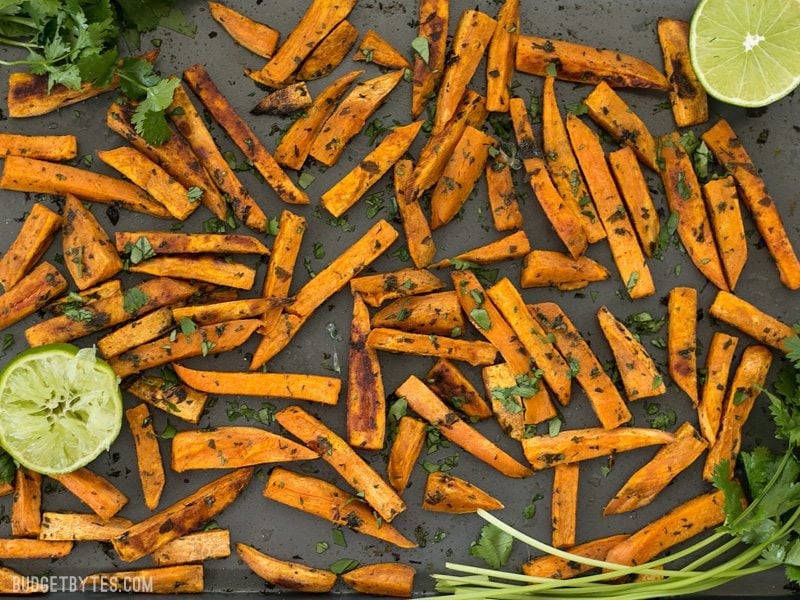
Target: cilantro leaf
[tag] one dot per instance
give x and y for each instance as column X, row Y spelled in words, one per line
column 8, row 468
column 493, row 547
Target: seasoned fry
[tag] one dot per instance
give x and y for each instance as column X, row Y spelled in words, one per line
column 420, row 243
column 688, row 98
column 366, row 403
column 395, row 340
column 500, row 57
column 170, row 396
column 564, row 504
column 291, row 575
column 722, row 204
column 26, row 506
column 81, row 527
column 211, row 268
column 31, row 243
column 511, row 247
column 351, row 115
column 543, row 268
column 178, row 579
column 329, row 53
column 682, row 340
column 555, row 567
column 325, row 500
column 349, row 189
column 382, row 579
column 434, row 18
column 575, row 445
column 233, row 447
column 584, row 64
column 280, row 268
column 509, row 410
column 718, row 367
column 503, row 201
column 405, row 451
column 434, row 314
column 625, row 249
column 21, row 548
column 31, row 293
column 670, row 460
column 450, row 494
column 138, row 332
column 338, row 453
column 219, row 312
column 31, row 175
column 319, row 20
column 194, row 547
column 277, row 338
column 182, row 517
column 12, row 582
column 750, row 320
column 240, row 133
column 94, row 491
column 81, row 297
column 294, row 146
column 425, row 403
column 148, row 455
column 636, row 195
column 373, row 48
column 679, row 524
column 450, row 384
column 260, row 39
column 471, row 38
column 285, row 101
column 44, row 147
column 377, row 289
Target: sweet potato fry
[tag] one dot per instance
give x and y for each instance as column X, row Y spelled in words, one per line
column 81, row 297
column 349, row 189
column 563, row 165
column 682, row 340
column 338, row 453
column 44, row 147
column 748, row 319
column 219, row 312
column 433, row 314
column 450, row 494
column 257, row 37
column 687, row 97
column 177, row 579
column 722, row 204
column 21, row 548
column 500, row 57
column 170, row 396
column 729, row 151
column 670, row 460
column 584, row 64
column 554, row 567
column 134, row 302
column 508, row 409
column 31, row 293
column 543, row 268
column 377, row 289
column 606, row 401
column 639, row 374
column 366, row 403
column 351, row 115
column 194, row 547
column 6, row 489
column 745, row 387
column 405, row 451
column 636, row 195
column 12, row 582
column 681, row 523
column 277, row 338
column 285, row 101
column 329, row 53
column 148, row 455
column 240, row 133
column 470, row 40
column 94, row 491
column 211, row 268
column 420, row 243
column 26, row 506
column 278, row 280
column 625, row 249
column 576, row 445
column 31, row 243
column 135, row 333
column 290, row 575
column 31, row 175
column 394, row 340
column 718, row 367
column 450, row 384
column 503, row 201
column 325, row 500
column 511, row 247
column 373, row 48
column 182, row 517
column 434, row 18
column 318, row 21
column 294, row 146
column 428, row 406
column 208, row 293
column 382, row 579
column 564, row 504
column 233, row 447
column 81, row 527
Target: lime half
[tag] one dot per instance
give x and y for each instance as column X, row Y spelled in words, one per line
column 60, row 407
column 746, row 52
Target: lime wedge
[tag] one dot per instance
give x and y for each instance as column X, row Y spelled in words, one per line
column 746, row 52
column 60, row 407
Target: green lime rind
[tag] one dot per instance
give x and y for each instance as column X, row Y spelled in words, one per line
column 60, row 408
column 768, row 71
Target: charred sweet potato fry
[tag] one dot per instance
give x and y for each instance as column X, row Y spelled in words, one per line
column 545, row 268
column 377, row 289
column 564, row 504
column 291, row 575
column 31, row 175
column 750, row 320
column 338, row 453
column 584, row 64
column 81, row 297
column 555, row 567
column 44, row 147
column 625, row 248
column 382, row 579
column 718, row 367
column 450, row 494
column 135, row 333
column 285, row 101
column 513, row 246
column 22, row 548
column 373, row 48
column 240, row 133
column 233, row 447
column 434, row 18
column 366, row 402
column 450, row 384
column 682, row 340
column 329, row 53
column 94, row 491
column 257, row 37
column 211, row 268
column 503, row 201
column 194, row 547
column 636, row 195
column 319, row 20
column 722, row 204
column 420, row 243
column 687, row 97
column 81, row 527
column 170, row 396
column 219, row 312
column 432, row 314
column 500, row 57
column 394, row 340
column 405, row 451
column 26, row 506
column 508, row 409
column 428, row 406
column 351, row 115
column 177, row 579
column 349, row 189
column 31, row 243
column 325, row 500
column 148, row 455
column 31, row 293
column 182, row 517
column 280, row 269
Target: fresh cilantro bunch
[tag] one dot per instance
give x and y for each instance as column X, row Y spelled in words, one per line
column 75, row 42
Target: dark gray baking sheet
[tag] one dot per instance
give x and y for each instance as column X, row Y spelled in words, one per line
column 771, row 136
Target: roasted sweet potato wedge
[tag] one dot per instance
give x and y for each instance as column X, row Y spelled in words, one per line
column 291, row 575
column 450, row 494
